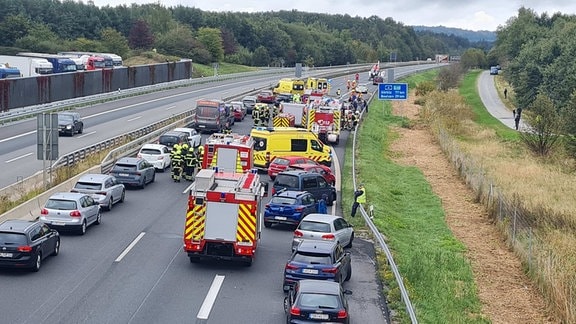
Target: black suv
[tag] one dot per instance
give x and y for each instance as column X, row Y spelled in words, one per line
column 312, row 182
column 70, row 123
column 172, row 137
column 24, row 244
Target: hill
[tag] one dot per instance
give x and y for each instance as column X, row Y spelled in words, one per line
column 472, row 36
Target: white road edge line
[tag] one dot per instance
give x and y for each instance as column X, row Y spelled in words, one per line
column 210, row 298
column 19, row 157
column 133, row 119
column 123, row 254
column 171, row 107
column 337, row 175
column 86, row 134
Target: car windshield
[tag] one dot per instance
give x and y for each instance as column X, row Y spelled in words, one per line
column 61, row 204
column 248, row 101
column 204, row 111
column 168, row 140
column 314, row 227
column 65, row 118
column 281, row 161
column 283, row 200
column 88, row 185
column 12, row 239
column 124, row 167
column 312, row 258
column 150, row 151
column 319, row 301
column 287, row 181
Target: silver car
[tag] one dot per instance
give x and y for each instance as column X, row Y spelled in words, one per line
column 324, row 227
column 104, row 188
column 71, row 210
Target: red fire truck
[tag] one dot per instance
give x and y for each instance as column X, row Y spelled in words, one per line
column 224, row 220
column 324, row 119
column 229, row 152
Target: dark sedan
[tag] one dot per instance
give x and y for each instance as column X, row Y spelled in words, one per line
column 317, row 301
column 134, row 172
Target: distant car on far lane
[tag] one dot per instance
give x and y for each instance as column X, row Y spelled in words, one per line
column 266, row 96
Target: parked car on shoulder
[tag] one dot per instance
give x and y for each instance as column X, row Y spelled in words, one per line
column 317, row 301
column 266, row 96
column 70, row 123
column 194, row 138
column 104, row 188
column 156, row 154
column 134, row 172
column 71, row 211
column 324, row 227
column 25, row 244
column 289, row 207
column 314, row 183
column 249, row 102
column 321, row 260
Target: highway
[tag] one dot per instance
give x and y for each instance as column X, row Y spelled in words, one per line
column 132, row 269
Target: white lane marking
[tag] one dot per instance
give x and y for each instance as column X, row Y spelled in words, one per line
column 171, row 107
column 19, row 157
column 123, row 254
column 210, row 298
column 338, row 180
column 86, row 134
column 17, row 136
column 133, row 119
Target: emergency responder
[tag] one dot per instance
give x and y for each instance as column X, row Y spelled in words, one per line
column 227, row 129
column 275, row 111
column 338, row 92
column 357, row 77
column 355, row 119
column 177, row 166
column 359, row 199
column 265, row 115
column 256, row 115
column 348, row 85
column 184, row 154
column 190, row 163
column 200, row 156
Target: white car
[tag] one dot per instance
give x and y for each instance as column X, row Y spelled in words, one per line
column 104, row 188
column 193, row 136
column 156, row 154
column 361, row 89
column 324, row 227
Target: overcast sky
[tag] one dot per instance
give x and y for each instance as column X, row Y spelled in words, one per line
column 472, row 14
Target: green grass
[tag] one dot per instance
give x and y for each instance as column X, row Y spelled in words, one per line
column 223, row 68
column 432, row 261
column 481, row 115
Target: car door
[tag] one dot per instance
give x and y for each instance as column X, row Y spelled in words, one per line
column 36, row 240
column 342, row 231
column 115, row 188
column 310, row 204
column 91, row 208
column 324, row 188
column 49, row 239
column 338, row 231
column 310, row 184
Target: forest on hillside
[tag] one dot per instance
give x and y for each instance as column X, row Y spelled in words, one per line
column 268, row 38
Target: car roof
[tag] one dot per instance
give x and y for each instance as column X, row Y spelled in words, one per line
column 129, row 160
column 325, row 218
column 291, row 157
column 303, row 166
column 153, row 146
column 316, row 246
column 95, row 177
column 16, row 225
column 183, row 129
column 173, row 133
column 319, row 286
column 249, row 98
column 291, row 194
column 68, row 113
column 67, row 195
column 294, row 172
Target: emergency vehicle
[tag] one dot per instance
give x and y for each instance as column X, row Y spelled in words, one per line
column 289, row 85
column 228, row 152
column 287, row 141
column 298, row 110
column 324, row 119
column 318, row 85
column 224, row 219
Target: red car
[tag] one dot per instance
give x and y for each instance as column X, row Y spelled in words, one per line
column 280, row 164
column 239, row 110
column 325, row 171
column 266, row 96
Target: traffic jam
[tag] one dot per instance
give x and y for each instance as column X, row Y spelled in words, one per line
column 278, row 175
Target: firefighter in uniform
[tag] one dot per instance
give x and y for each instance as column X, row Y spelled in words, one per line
column 338, row 92
column 177, row 166
column 265, row 115
column 275, row 111
column 227, row 129
column 200, row 156
column 256, row 115
column 183, row 154
column 189, row 163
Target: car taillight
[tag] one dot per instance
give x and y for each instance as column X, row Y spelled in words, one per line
column 273, row 191
column 267, row 206
column 73, row 190
column 75, row 213
column 330, row 270
column 328, row 237
column 25, row 248
column 103, row 193
column 295, row 311
column 300, row 209
column 291, row 267
column 161, row 157
column 342, row 313
column 138, row 173
column 297, row 233
column 44, row 211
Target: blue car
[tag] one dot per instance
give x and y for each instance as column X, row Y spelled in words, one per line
column 320, row 260
column 289, row 207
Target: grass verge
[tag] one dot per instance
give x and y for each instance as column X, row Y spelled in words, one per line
column 431, row 260
column 223, row 68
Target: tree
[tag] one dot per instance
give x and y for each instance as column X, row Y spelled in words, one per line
column 12, row 28
column 41, row 39
column 545, row 125
column 473, row 58
column 114, row 42
column 140, row 36
column 261, row 57
column 212, row 40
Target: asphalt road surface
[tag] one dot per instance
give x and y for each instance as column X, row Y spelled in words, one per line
column 489, row 96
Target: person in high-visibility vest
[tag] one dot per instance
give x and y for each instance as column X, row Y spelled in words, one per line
column 200, row 156
column 359, row 198
column 177, row 166
column 338, row 92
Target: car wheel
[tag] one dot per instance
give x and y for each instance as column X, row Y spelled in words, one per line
column 98, row 219
column 194, row 259
column 110, row 203
column 247, row 263
column 123, row 196
column 350, row 243
column 81, row 130
column 56, row 248
column 349, row 274
column 143, row 184
column 267, row 224
column 38, row 263
column 153, row 178
column 82, row 230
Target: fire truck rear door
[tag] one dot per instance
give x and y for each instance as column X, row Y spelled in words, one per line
column 227, row 159
column 221, row 221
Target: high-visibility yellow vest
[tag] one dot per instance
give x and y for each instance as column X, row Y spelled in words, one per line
column 362, row 198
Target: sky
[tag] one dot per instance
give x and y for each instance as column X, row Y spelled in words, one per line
column 471, row 15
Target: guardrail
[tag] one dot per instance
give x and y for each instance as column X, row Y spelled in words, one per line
column 376, row 233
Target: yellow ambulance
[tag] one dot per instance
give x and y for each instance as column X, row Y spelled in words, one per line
column 271, row 142
column 289, row 85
